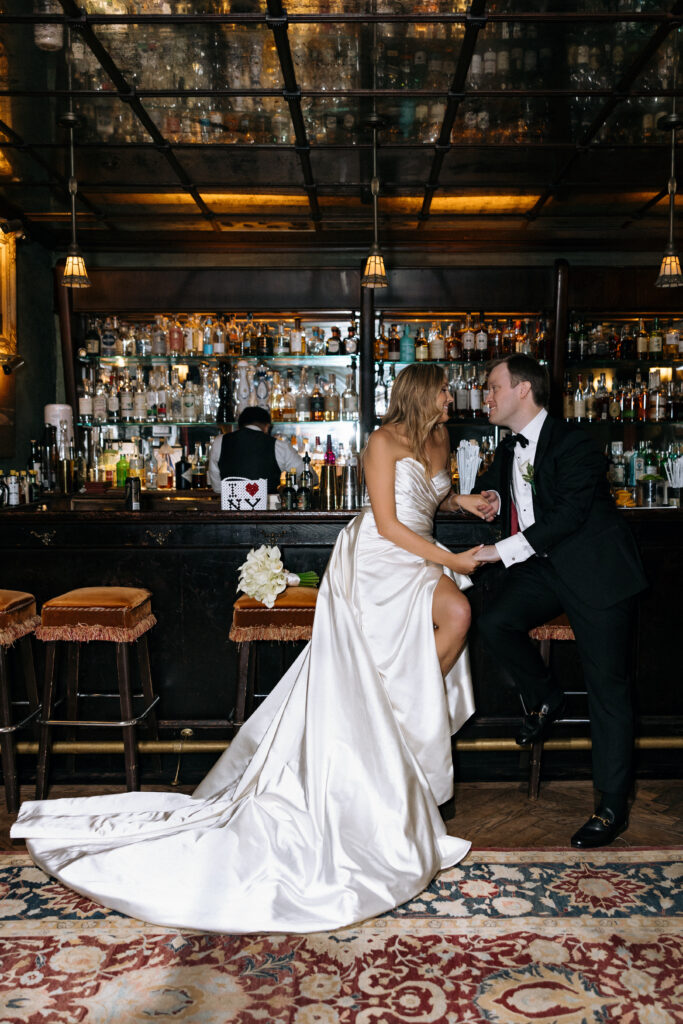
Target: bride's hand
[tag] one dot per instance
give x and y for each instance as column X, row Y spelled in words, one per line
column 466, row 562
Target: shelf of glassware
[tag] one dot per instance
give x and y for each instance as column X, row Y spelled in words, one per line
column 338, row 360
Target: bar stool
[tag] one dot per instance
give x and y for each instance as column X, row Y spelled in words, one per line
column 18, row 621
column 558, row 628
column 289, row 620
column 120, row 616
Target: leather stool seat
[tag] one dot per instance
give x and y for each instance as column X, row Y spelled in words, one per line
column 17, row 615
column 114, row 614
column 556, row 629
column 289, row 620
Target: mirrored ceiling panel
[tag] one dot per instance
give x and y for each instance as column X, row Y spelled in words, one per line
column 532, row 120
column 106, row 119
column 513, row 168
column 618, row 7
column 242, row 120
column 193, row 57
column 389, row 7
column 634, row 122
column 132, row 166
column 240, row 169
column 333, row 120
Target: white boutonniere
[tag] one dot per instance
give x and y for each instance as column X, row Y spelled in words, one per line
column 528, row 475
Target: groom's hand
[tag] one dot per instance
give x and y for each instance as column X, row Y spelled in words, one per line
column 492, row 499
column 487, row 553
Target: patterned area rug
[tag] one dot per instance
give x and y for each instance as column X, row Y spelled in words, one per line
column 552, row 937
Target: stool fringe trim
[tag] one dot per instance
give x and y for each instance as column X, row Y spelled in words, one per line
column 279, row 634
column 84, row 633
column 9, row 634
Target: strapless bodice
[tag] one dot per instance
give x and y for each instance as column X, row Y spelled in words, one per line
column 418, row 495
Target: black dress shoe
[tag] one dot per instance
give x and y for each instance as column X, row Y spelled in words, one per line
column 536, row 723
column 601, row 829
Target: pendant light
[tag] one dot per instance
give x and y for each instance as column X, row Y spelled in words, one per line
column 670, row 271
column 75, row 274
column 374, row 274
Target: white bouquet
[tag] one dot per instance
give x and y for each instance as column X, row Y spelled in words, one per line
column 263, row 576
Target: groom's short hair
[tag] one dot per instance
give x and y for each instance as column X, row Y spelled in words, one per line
column 521, row 367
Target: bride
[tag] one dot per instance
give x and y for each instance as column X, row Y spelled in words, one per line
column 324, row 809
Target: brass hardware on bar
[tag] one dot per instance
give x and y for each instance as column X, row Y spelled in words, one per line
column 181, row 745
column 185, row 734
column 158, row 536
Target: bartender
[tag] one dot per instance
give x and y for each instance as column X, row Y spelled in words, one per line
column 251, row 452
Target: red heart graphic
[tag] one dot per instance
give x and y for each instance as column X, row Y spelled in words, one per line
column 252, row 489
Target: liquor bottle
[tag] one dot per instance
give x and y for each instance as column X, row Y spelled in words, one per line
column 288, row 495
column 421, row 346
column 602, row 399
column 126, row 398
column 113, row 404
column 583, row 350
column 380, row 393
column 495, row 341
column 656, row 342
column 219, row 338
column 199, row 479
column 276, row 398
column 573, row 338
column 317, row 457
column 331, row 400
column 508, row 339
column 122, row 467
column 350, row 398
column 568, row 399
column 453, row 346
column 296, row 339
column 99, row 402
column 467, row 340
column 330, row 457
column 579, row 401
column 85, row 405
column 207, row 337
column 481, row 340
column 175, row 339
column 407, row 346
column 615, row 401
column 139, row 398
column 303, row 398
column 437, row 343
column 109, row 338
column 394, row 352
column 317, row 401
column 289, row 411
column 190, row 404
column 462, row 396
column 183, row 472
column 381, row 344
column 590, row 399
column 351, row 340
column 642, row 341
column 671, row 342
column 656, row 398
column 334, row 342
column 475, row 397
column 640, row 394
column 159, row 339
column 304, row 494
column 224, row 409
column 92, row 339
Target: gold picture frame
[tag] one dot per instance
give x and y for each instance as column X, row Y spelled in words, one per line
column 8, row 342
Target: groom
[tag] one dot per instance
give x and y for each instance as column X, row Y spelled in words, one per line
column 565, row 549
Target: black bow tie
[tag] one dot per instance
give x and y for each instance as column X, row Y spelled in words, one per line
column 511, row 440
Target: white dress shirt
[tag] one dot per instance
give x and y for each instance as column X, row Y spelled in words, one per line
column 286, row 456
column 517, row 548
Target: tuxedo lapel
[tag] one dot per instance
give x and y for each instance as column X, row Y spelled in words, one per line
column 542, row 447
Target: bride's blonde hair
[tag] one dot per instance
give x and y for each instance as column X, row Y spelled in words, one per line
column 413, row 405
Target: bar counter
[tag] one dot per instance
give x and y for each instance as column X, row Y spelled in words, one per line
column 187, row 553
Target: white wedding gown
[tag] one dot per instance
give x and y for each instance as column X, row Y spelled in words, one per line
column 324, row 809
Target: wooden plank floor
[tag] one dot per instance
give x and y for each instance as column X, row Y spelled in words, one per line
column 493, row 814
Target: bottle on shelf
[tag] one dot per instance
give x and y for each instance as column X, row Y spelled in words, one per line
column 109, row 338
column 303, row 398
column 381, row 344
column 568, row 398
column 349, row 403
column 467, row 340
column 672, row 342
column 199, row 477
column 579, row 400
column 175, row 340
column 481, row 340
column 276, row 398
column 381, row 400
column 461, row 395
column 85, row 401
column 183, row 472
column 351, row 339
column 122, row 467
column 656, row 344
column 334, row 342
column 126, row 397
column 407, row 346
column 304, row 494
column 288, row 493
column 317, row 401
column 224, row 409
column 139, row 398
column 394, row 352
column 475, row 397
column 289, row 413
column 590, row 399
column 331, row 401
column 495, row 341
column 436, row 342
column 642, row 342
column 91, row 340
column 219, row 338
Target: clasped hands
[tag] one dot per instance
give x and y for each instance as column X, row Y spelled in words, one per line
column 485, row 506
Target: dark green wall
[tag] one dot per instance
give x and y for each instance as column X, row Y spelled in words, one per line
column 36, row 343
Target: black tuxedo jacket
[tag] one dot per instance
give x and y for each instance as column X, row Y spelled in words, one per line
column 578, row 526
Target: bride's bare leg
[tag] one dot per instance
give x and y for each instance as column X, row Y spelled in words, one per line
column 451, row 616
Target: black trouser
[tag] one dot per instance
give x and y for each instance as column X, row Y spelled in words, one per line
column 530, row 594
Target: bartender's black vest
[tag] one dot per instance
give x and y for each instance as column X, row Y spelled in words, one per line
column 250, row 453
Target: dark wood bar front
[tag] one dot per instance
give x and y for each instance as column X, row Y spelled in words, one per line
column 188, row 558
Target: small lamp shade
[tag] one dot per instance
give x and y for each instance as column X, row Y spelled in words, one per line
column 670, row 272
column 374, row 275
column 75, row 274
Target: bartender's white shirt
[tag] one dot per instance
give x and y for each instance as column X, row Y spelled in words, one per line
column 517, row 548
column 286, row 456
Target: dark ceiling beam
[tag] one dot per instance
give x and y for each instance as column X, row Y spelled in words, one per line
column 619, row 93
column 475, row 22
column 81, row 22
column 35, row 232
column 277, row 21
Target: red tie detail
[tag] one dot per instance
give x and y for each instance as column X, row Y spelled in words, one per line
column 514, row 518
